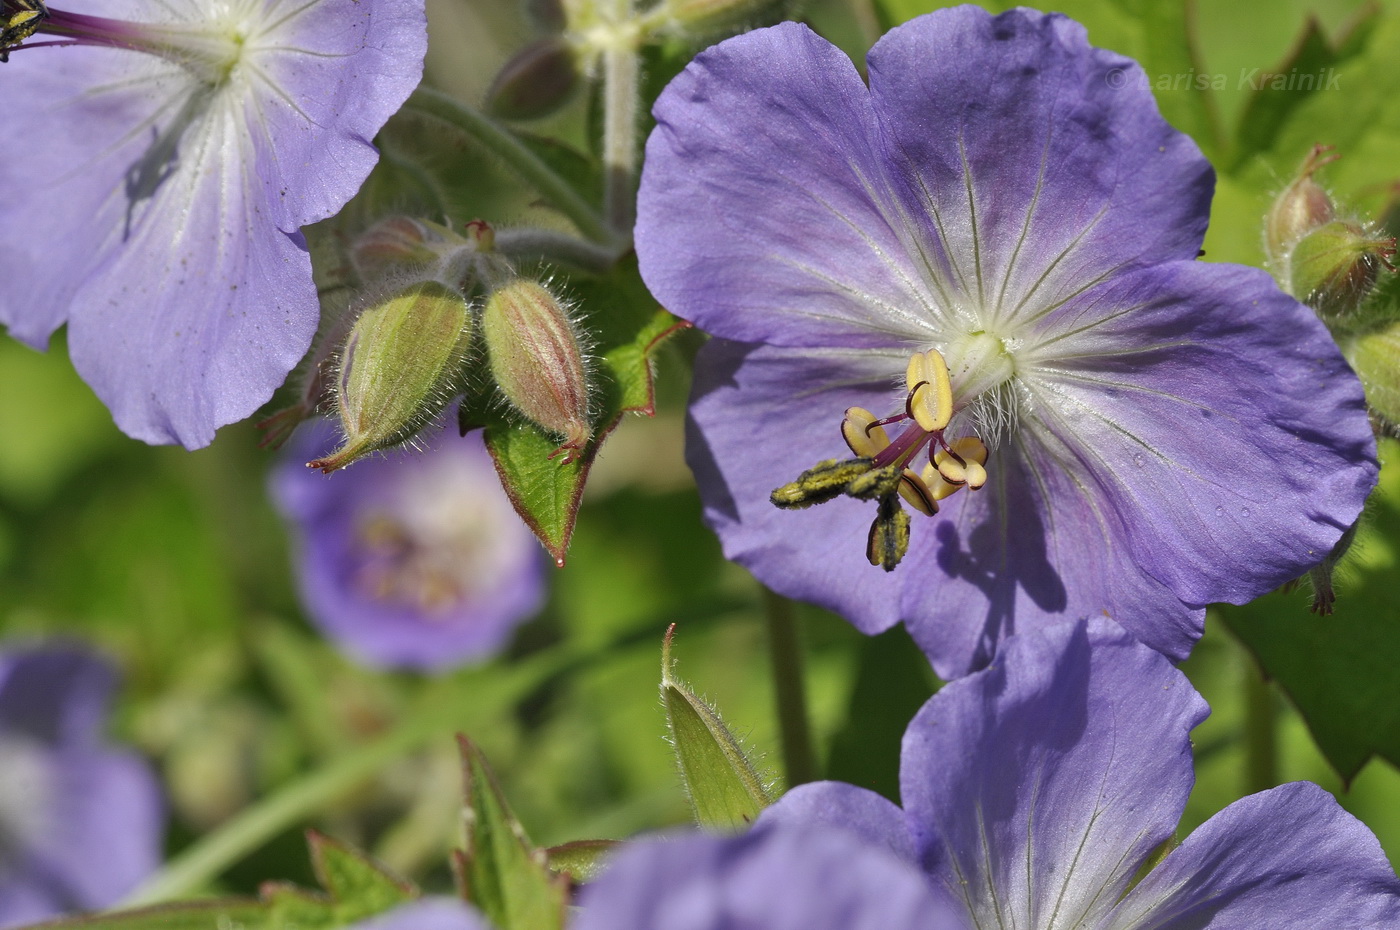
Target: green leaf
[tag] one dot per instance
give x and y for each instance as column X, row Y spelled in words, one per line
column 359, row 886
column 503, row 874
column 625, row 326
column 724, row 787
column 196, row 915
column 1169, row 50
column 1342, row 672
column 581, row 860
column 1313, row 54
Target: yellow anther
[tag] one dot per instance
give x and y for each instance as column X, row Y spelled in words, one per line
column 948, row 472
column 916, row 493
column 930, row 390
column 864, row 440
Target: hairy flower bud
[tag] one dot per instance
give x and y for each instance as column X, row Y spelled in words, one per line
column 1300, row 208
column 536, row 81
column 537, row 361
column 1333, row 268
column 401, row 364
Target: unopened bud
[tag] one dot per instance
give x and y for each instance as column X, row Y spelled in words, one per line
column 1375, row 356
column 1300, row 208
column 1333, row 268
column 536, row 81
column 537, row 361
column 401, row 364
column 393, row 244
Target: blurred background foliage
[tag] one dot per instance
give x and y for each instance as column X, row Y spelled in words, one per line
column 174, row 562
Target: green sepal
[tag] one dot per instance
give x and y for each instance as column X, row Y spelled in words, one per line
column 502, row 873
column 625, row 329
column 724, row 787
column 1375, row 356
column 581, row 860
column 353, row 887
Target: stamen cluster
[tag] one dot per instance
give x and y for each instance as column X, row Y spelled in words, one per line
column 881, row 470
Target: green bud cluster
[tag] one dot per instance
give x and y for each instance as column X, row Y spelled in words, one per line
column 1329, row 262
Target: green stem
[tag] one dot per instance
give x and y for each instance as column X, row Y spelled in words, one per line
column 1260, row 730
column 789, row 688
column 444, row 709
column 529, row 242
column 621, row 105
column 515, row 154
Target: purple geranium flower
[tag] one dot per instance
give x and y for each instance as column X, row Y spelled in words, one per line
column 984, row 261
column 787, row 877
column 155, row 178
column 411, row 559
column 80, row 822
column 1034, row 792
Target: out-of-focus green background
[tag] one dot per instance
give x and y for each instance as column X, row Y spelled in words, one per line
column 174, row 562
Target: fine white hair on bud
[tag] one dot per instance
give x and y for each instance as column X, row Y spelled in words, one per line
column 537, row 359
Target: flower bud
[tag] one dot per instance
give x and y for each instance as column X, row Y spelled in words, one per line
column 1375, row 356
column 536, row 81
column 401, row 364
column 1301, row 207
column 537, row 361
column 393, row 244
column 1333, row 268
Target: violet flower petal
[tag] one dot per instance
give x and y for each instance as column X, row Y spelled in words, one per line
column 771, row 878
column 1016, row 146
column 778, row 118
column 1288, row 859
column 410, row 559
column 160, row 215
column 872, row 817
column 427, row 914
column 81, row 822
column 1036, row 788
column 1045, row 212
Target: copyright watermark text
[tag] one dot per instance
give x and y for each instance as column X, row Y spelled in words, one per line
column 1247, row 79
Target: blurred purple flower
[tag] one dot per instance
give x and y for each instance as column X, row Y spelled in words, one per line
column 1163, row 433
column 427, row 914
column 1035, row 791
column 410, row 559
column 788, row 877
column 155, row 178
column 81, row 823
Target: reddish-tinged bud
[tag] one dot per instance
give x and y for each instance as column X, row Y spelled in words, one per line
column 536, row 81
column 537, row 361
column 394, row 244
column 401, row 364
column 1334, row 267
column 1300, row 208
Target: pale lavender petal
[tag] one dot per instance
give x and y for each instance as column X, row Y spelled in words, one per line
column 427, row 914
column 771, row 878
column 1031, row 157
column 872, row 817
column 762, row 209
column 165, row 226
column 410, row 559
column 1215, row 418
column 1037, row 787
column 1287, row 859
column 81, row 822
